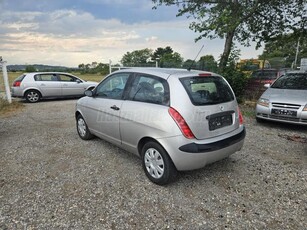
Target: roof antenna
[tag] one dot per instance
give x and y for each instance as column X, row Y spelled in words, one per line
column 189, row 69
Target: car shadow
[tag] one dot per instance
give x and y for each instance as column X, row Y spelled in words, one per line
column 282, row 125
column 50, row 100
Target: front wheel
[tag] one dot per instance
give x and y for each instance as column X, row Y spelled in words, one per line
column 32, row 96
column 83, row 131
column 157, row 164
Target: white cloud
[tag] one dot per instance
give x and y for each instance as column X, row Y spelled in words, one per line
column 69, row 37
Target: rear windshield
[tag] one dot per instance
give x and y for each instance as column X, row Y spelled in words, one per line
column 207, row 90
column 265, row 74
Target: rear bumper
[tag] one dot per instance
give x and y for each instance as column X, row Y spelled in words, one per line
column 202, row 148
column 16, row 92
column 188, row 155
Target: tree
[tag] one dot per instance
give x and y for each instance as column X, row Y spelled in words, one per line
column 281, row 52
column 208, row 63
column 167, row 57
column 240, row 20
column 160, row 52
column 30, row 68
column 173, row 60
column 137, row 57
column 81, row 66
column 189, row 64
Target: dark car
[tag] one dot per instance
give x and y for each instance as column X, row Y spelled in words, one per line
column 255, row 84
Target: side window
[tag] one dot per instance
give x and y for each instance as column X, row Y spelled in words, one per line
column 150, row 89
column 113, row 86
column 63, row 77
column 46, row 77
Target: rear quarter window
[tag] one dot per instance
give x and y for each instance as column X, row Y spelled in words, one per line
column 207, row 90
column 20, row 78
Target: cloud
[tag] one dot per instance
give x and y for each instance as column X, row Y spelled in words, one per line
column 72, row 36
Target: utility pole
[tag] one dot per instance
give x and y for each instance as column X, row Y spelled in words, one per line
column 6, row 81
column 294, row 64
column 110, row 66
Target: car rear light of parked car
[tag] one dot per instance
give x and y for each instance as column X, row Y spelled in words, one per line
column 16, row 83
column 241, row 120
column 185, row 129
column 205, row 74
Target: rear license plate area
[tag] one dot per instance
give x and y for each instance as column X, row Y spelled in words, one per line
column 284, row 112
column 217, row 122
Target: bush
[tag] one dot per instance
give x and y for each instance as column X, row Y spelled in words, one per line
column 236, row 79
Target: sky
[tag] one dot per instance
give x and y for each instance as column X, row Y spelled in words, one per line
column 71, row 32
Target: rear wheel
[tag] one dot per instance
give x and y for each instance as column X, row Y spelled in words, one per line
column 157, row 164
column 33, row 96
column 83, row 131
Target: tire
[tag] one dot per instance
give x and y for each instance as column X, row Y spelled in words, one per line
column 33, row 96
column 82, row 129
column 157, row 164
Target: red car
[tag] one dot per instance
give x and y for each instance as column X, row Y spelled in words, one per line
column 255, row 84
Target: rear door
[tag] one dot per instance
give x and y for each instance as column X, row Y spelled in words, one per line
column 71, row 86
column 48, row 84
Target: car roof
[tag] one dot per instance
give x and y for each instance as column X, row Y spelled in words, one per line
column 48, row 73
column 296, row 72
column 265, row 70
column 166, row 72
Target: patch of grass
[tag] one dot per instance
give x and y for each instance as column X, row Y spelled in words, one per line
column 248, row 110
column 89, row 77
column 7, row 108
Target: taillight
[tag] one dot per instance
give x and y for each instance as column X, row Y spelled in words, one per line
column 16, row 83
column 241, row 120
column 204, row 74
column 185, row 129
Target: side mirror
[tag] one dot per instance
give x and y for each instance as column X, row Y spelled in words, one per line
column 267, row 85
column 78, row 81
column 89, row 93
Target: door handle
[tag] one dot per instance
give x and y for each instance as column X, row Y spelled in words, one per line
column 114, row 107
column 43, row 84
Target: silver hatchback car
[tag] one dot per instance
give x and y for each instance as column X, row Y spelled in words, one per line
column 285, row 100
column 35, row 86
column 173, row 119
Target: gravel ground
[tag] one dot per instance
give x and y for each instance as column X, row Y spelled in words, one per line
column 51, row 179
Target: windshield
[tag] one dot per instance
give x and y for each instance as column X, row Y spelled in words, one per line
column 291, row 81
column 207, row 90
column 264, row 74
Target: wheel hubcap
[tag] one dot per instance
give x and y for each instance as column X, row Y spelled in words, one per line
column 81, row 127
column 32, row 96
column 154, row 163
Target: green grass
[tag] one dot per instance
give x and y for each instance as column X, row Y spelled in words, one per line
column 90, row 77
column 7, row 108
column 248, row 109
